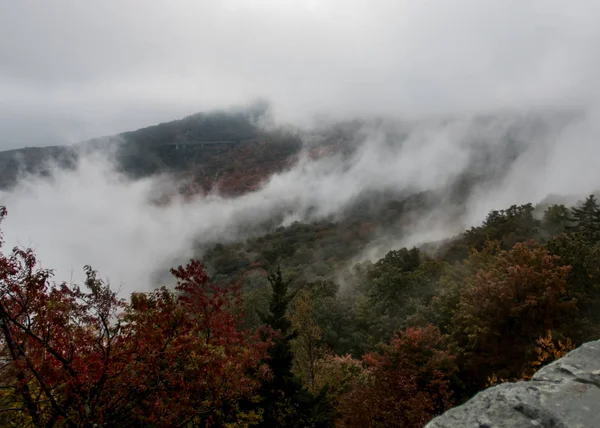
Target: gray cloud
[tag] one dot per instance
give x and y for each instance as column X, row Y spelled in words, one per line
column 75, row 70
column 93, row 215
column 71, row 70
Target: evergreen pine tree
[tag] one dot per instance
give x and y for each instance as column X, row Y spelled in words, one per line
column 285, row 402
column 586, row 219
column 281, row 356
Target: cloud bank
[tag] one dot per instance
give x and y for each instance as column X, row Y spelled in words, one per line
column 72, row 70
column 93, row 215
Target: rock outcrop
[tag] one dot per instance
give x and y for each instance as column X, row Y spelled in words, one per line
column 564, row 394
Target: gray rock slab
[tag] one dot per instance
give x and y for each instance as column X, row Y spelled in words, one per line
column 564, row 394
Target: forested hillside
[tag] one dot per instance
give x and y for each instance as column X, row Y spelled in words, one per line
column 221, row 149
column 232, row 151
column 321, row 321
column 316, row 213
column 269, row 336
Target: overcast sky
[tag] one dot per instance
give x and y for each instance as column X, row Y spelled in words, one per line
column 75, row 69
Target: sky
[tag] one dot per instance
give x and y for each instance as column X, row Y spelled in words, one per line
column 72, row 70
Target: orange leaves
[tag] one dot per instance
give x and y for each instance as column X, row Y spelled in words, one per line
column 200, row 356
column 405, row 385
column 549, row 349
column 518, row 283
column 512, row 298
column 84, row 357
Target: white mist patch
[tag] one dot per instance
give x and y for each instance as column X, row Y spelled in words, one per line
column 94, row 215
column 563, row 163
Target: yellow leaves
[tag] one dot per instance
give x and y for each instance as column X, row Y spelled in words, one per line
column 338, row 373
column 13, row 409
column 547, row 350
column 308, row 348
column 493, row 380
column 304, row 320
column 550, row 349
column 246, row 419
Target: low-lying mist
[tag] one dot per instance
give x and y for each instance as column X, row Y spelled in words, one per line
column 95, row 215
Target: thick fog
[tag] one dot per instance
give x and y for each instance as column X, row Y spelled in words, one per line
column 73, row 70
column 93, row 215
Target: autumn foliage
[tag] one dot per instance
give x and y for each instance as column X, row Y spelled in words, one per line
column 81, row 356
column 406, row 384
column 405, row 339
column 512, row 298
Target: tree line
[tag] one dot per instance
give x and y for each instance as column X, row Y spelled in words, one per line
column 404, row 339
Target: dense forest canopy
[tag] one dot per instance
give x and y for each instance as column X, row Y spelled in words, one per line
column 204, row 148
column 301, row 311
column 315, row 213
column 259, row 342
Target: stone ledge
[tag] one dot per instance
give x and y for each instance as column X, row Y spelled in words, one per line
column 564, row 394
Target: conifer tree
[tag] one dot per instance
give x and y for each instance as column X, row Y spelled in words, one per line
column 280, row 353
column 587, row 219
column 285, row 402
column 279, row 391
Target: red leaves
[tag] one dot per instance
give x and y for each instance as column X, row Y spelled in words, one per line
column 49, row 338
column 407, row 383
column 200, row 358
column 79, row 357
column 513, row 298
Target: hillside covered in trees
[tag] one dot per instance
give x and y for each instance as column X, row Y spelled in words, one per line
column 256, row 343
column 234, row 151
column 321, row 321
column 224, row 149
column 315, row 213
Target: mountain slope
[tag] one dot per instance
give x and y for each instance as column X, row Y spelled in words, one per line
column 207, row 149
